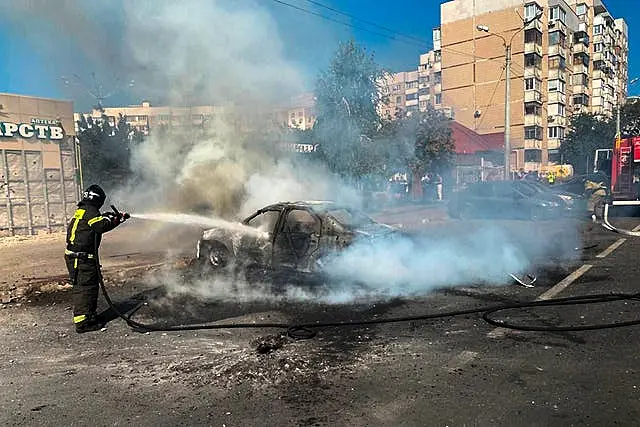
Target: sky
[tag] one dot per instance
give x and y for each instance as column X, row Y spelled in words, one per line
column 39, row 51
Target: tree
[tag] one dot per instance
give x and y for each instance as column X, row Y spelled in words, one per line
column 435, row 148
column 348, row 97
column 105, row 150
column 587, row 133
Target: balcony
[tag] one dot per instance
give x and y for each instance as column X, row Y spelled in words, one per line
column 553, row 144
column 556, row 24
column 532, row 144
column 557, row 73
column 557, row 120
column 533, row 47
column 556, row 97
column 535, row 24
column 580, row 68
column 532, row 120
column 534, row 72
column 437, row 66
column 532, row 96
column 557, row 49
column 581, row 48
column 437, row 88
column 597, row 56
column 580, row 88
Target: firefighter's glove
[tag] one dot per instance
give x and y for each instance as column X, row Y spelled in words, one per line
column 117, row 219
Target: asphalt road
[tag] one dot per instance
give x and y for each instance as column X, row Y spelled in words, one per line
column 457, row 371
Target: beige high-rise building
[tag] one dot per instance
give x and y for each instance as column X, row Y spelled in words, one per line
column 572, row 58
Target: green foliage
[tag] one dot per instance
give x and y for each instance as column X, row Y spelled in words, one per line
column 587, row 133
column 105, row 150
column 348, row 96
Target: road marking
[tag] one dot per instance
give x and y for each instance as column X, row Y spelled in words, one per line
column 555, row 290
column 615, row 245
column 460, row 360
column 636, row 228
column 564, row 283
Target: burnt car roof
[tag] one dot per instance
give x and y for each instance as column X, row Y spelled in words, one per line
column 316, row 205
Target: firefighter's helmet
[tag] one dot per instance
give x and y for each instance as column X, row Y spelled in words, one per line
column 94, row 195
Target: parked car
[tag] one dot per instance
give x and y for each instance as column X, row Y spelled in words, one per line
column 574, row 203
column 287, row 237
column 505, row 199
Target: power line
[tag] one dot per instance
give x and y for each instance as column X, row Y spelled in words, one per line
column 346, row 24
column 364, row 21
column 495, row 89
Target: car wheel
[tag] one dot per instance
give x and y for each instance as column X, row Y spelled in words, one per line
column 215, row 255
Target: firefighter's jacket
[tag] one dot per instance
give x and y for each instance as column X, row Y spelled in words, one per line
column 85, row 229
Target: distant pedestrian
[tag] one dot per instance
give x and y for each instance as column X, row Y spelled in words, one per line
column 551, row 177
column 438, row 182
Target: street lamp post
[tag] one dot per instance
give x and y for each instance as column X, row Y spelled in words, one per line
column 507, row 91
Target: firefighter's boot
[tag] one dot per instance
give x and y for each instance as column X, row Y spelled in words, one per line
column 90, row 323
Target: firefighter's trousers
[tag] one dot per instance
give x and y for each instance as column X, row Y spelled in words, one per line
column 83, row 274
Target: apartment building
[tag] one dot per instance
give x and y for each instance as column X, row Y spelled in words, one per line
column 144, row 117
column 570, row 58
column 297, row 113
column 400, row 91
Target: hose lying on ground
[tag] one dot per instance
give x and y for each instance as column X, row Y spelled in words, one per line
column 308, row 330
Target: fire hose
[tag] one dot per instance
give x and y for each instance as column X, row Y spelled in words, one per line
column 299, row 331
column 605, row 217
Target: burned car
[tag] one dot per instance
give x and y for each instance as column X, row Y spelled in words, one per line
column 287, row 237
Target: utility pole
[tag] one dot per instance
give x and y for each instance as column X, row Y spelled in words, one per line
column 507, row 90
column 507, row 113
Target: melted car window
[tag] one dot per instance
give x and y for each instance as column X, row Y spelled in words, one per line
column 265, row 221
column 302, row 221
column 349, row 219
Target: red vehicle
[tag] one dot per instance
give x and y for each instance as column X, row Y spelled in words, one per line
column 624, row 163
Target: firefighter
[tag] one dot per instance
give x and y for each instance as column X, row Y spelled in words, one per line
column 551, row 177
column 84, row 234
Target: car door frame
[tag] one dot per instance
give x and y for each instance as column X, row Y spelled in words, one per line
column 316, row 238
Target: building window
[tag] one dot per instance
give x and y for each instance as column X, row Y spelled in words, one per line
column 581, row 99
column 554, row 156
column 437, row 77
column 532, row 60
column 532, row 156
column 411, row 85
column 531, row 10
column 598, row 47
column 436, row 34
column 558, row 13
column 532, row 108
column 581, row 59
column 556, row 85
column 531, row 83
column 556, row 132
column 557, row 62
column 423, row 105
column 533, row 132
column 597, row 29
column 556, row 110
column 438, row 99
column 423, row 79
column 581, row 9
column 396, row 88
column 437, row 56
column 580, row 79
column 556, row 38
column 533, row 36
column 398, row 100
column 411, row 96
